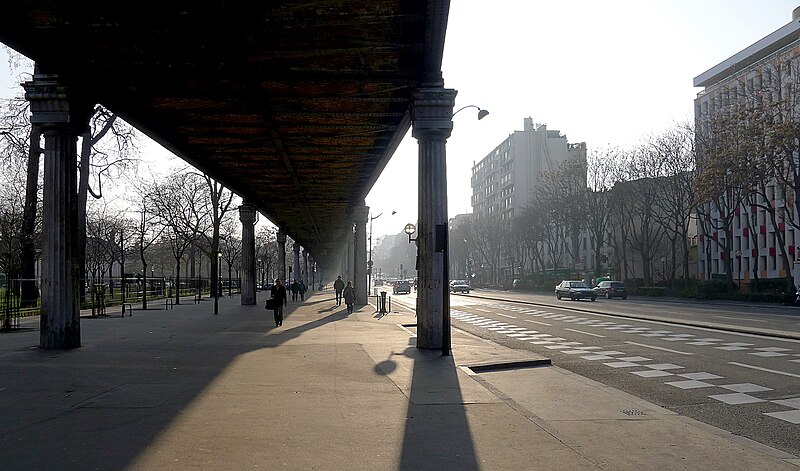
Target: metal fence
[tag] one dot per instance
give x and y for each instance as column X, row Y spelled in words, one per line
column 22, row 297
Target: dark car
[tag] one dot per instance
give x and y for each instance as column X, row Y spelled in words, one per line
column 611, row 289
column 575, row 290
column 459, row 285
column 401, row 287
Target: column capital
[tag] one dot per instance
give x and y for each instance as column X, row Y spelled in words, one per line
column 280, row 237
column 432, row 112
column 247, row 213
column 361, row 214
column 54, row 106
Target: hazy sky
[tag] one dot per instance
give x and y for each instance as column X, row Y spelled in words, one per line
column 602, row 72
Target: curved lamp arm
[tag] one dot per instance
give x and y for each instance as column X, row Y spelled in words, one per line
column 481, row 112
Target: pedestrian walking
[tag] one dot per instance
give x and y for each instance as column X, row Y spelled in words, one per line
column 294, row 288
column 278, row 299
column 338, row 285
column 349, row 296
column 302, row 291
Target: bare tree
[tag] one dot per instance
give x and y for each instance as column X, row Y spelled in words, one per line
column 231, row 247
column 108, row 148
column 148, row 230
column 600, row 174
column 179, row 202
column 675, row 148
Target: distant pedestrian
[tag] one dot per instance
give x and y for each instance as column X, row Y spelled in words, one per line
column 338, row 285
column 278, row 294
column 294, row 288
column 302, row 291
column 349, row 295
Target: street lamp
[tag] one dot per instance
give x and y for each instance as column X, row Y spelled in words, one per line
column 481, row 113
column 664, row 268
column 216, row 288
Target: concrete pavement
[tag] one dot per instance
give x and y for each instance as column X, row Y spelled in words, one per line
column 184, row 389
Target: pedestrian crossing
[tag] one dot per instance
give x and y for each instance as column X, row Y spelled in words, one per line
column 643, row 367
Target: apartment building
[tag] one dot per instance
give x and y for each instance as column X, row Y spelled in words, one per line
column 506, row 179
column 741, row 231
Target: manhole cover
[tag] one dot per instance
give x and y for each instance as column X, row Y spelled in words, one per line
column 632, row 412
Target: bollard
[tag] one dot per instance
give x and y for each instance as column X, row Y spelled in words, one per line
column 382, row 303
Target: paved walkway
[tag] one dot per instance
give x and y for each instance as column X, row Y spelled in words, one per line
column 184, row 389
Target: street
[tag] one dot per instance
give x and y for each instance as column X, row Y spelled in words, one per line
column 715, row 371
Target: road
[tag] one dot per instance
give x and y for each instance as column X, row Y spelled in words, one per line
column 734, row 366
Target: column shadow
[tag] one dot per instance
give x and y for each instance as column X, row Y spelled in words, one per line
column 437, row 433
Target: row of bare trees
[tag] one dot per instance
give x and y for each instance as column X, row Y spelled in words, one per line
column 621, row 208
column 178, row 217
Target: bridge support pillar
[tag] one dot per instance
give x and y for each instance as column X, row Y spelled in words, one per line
column 281, row 239
column 247, row 216
column 432, row 120
column 61, row 119
column 305, row 268
column 295, row 263
column 360, row 255
column 349, row 257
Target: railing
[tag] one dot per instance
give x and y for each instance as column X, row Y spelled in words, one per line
column 22, row 297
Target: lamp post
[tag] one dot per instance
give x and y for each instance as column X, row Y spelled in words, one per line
column 217, row 288
column 664, row 268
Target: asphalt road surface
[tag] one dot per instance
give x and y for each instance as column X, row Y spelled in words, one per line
column 734, row 366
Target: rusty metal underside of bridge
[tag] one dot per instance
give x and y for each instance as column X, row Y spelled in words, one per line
column 296, row 106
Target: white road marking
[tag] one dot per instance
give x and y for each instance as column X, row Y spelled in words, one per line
column 585, row 333
column 660, row 348
column 540, row 323
column 506, row 315
column 741, row 319
column 763, row 369
column 482, row 310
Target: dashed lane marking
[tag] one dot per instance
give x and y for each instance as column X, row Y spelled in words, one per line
column 659, row 348
column 784, row 373
column 585, row 333
column 540, row 323
column 506, row 315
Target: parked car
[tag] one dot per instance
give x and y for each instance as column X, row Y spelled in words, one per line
column 611, row 289
column 401, row 287
column 459, row 285
column 574, row 290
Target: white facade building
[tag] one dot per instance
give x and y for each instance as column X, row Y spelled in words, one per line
column 766, row 71
column 505, row 180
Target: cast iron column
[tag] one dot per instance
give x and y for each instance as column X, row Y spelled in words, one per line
column 361, row 217
column 281, row 238
column 61, row 121
column 432, row 120
column 247, row 215
column 349, row 259
column 296, row 261
column 305, row 268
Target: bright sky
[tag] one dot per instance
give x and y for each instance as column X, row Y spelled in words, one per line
column 604, row 72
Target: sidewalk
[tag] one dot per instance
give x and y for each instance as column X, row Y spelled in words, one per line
column 184, row 389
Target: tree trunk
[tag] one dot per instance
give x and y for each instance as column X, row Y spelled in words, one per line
column 29, row 291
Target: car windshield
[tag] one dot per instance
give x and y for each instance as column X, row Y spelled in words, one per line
column 459, row 282
column 578, row 284
column 618, row 284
